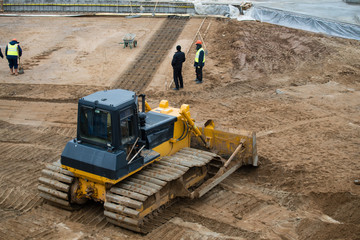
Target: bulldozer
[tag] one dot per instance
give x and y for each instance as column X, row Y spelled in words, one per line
column 136, row 160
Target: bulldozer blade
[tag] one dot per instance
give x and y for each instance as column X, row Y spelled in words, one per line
column 225, row 144
column 235, row 150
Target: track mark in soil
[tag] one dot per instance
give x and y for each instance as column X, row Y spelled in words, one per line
column 45, row 92
column 23, row 136
column 138, row 76
column 26, row 99
column 23, row 151
column 17, row 200
column 217, row 226
column 177, row 228
column 69, row 132
column 22, row 170
column 35, row 61
column 27, row 229
column 91, row 214
column 293, row 125
column 6, row 214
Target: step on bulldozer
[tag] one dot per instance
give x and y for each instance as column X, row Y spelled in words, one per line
column 137, row 162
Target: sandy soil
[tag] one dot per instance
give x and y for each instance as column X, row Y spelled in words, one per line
column 299, row 91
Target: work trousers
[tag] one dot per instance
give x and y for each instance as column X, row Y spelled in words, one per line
column 13, row 63
column 178, row 78
column 199, row 74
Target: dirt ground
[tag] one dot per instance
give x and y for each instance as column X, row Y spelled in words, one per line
column 299, row 91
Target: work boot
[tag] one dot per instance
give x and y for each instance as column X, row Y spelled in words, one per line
column 176, row 89
column 198, row 82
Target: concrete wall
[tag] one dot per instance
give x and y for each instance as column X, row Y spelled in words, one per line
column 101, row 6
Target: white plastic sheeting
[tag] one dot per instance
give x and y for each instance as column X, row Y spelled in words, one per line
column 212, row 9
column 335, row 10
column 331, row 17
column 306, row 22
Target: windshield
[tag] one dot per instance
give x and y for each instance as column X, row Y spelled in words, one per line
column 95, row 125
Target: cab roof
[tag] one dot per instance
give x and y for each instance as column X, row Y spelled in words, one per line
column 109, row 99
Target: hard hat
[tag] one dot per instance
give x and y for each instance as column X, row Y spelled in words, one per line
column 198, row 42
column 14, row 39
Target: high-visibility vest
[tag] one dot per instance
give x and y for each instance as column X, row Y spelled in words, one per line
column 198, row 54
column 12, row 50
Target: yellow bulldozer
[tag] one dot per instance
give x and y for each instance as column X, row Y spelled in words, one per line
column 137, row 162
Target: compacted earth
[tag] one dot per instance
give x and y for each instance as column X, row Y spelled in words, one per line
column 299, row 91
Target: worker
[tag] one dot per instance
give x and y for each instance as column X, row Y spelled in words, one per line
column 199, row 61
column 13, row 51
column 177, row 61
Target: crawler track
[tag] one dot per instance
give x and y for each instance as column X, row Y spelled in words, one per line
column 138, row 75
column 135, row 203
column 56, row 185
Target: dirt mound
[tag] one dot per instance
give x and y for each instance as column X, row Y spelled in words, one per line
column 266, row 55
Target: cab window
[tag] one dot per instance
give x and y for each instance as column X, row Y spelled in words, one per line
column 95, row 125
column 127, row 126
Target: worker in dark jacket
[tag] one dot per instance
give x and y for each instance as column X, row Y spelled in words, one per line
column 177, row 61
column 13, row 51
column 199, row 61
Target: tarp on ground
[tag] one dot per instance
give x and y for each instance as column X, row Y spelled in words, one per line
column 216, row 9
column 305, row 22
